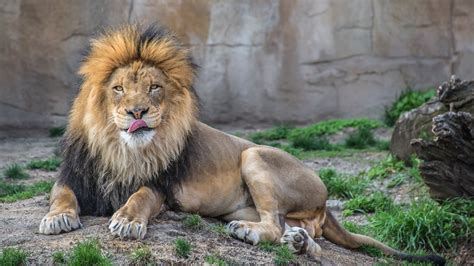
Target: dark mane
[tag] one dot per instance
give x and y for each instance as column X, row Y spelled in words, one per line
column 80, row 171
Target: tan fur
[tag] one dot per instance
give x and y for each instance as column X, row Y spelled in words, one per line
column 256, row 188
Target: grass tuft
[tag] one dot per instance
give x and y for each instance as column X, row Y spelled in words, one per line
column 141, row 257
column 15, row 171
column 88, row 253
column 13, row 257
column 183, row 248
column 267, row 246
column 50, row 164
column 407, row 101
column 219, row 229
column 361, row 139
column 386, row 167
column 59, row 257
column 375, row 202
column 193, row 222
column 276, row 133
column 342, row 186
column 214, row 260
column 12, row 192
column 283, row 255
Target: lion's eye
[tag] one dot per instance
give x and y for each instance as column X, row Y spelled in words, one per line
column 155, row 87
column 118, row 89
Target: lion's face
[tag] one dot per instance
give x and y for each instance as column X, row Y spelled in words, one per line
column 138, row 96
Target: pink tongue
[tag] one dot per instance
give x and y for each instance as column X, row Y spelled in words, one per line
column 136, row 124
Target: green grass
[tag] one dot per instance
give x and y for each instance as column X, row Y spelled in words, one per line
column 276, row 133
column 283, row 255
column 183, row 248
column 267, row 246
column 219, row 229
column 50, row 164
column 88, row 253
column 59, row 258
column 374, row 202
column 362, row 138
column 407, row 101
column 15, row 171
column 13, row 257
column 21, row 192
column 193, row 222
column 142, row 256
column 56, row 131
column 386, row 167
column 342, row 186
column 214, row 260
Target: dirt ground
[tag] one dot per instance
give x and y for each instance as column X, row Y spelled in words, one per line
column 19, row 221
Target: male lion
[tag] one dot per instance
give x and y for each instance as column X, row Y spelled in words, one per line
column 134, row 144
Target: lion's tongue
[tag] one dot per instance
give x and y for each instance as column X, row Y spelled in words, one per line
column 136, row 124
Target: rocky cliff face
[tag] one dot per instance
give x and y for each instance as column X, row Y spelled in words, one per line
column 265, row 61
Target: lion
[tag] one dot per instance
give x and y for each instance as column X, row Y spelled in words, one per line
column 134, row 146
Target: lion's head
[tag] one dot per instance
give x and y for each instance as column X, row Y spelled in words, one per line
column 136, row 105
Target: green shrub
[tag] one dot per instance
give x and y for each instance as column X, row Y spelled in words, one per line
column 407, row 101
column 182, row 247
column 141, row 256
column 276, row 133
column 50, row 164
column 375, row 202
column 21, row 192
column 13, row 257
column 56, row 131
column 88, row 253
column 15, row 171
column 361, row 139
column 193, row 222
column 342, row 186
column 311, row 143
column 425, row 224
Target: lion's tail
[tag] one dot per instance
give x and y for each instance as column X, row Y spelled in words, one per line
column 335, row 233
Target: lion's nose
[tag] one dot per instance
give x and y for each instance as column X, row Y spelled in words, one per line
column 137, row 112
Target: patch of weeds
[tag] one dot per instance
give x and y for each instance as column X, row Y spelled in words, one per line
column 88, row 253
column 59, row 258
column 385, row 168
column 342, row 186
column 56, row 131
column 407, row 101
column 383, row 145
column 214, row 260
column 311, row 143
column 361, row 139
column 219, row 229
column 425, row 224
column 50, row 164
column 397, row 180
column 368, row 204
column 267, row 246
column 13, row 257
column 283, row 255
column 141, row 256
column 183, row 248
column 25, row 192
column 276, row 133
column 9, row 189
column 15, row 171
column 193, row 222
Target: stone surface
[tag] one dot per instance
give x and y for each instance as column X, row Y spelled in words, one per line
column 261, row 61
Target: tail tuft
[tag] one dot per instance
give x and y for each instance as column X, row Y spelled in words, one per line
column 435, row 259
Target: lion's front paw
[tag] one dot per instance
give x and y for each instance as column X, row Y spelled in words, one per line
column 299, row 241
column 124, row 225
column 54, row 223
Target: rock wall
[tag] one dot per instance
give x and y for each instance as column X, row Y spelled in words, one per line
column 266, row 61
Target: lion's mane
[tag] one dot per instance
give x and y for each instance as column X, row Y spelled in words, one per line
column 101, row 170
